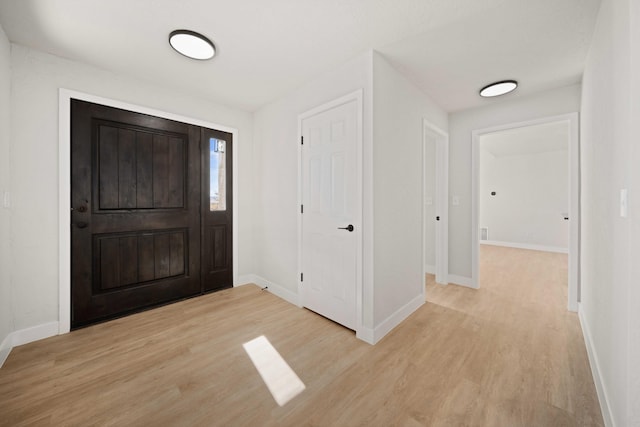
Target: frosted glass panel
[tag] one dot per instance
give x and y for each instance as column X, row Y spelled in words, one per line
column 217, row 174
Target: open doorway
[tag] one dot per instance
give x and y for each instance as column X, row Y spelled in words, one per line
column 525, row 196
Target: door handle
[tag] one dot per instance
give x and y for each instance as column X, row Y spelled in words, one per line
column 437, row 218
column 81, row 224
column 349, row 228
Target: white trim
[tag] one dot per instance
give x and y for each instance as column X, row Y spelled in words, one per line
column 441, row 268
column 34, row 333
column 5, row 349
column 525, row 246
column 574, row 212
column 574, row 195
column 396, row 318
column 277, row 290
column 462, row 281
column 64, row 186
column 605, row 407
column 25, row 336
column 356, row 96
column 64, row 213
column 366, row 335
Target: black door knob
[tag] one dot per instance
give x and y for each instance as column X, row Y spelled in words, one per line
column 349, row 228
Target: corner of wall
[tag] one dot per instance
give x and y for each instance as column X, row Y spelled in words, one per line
column 5, row 349
column 6, row 311
column 26, row 336
column 596, row 371
column 399, row 316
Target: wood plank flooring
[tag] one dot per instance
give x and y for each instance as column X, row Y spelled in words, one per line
column 508, row 354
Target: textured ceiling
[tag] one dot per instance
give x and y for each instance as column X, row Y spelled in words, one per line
column 535, row 139
column 450, row 48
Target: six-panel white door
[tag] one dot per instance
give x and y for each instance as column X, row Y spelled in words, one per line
column 329, row 192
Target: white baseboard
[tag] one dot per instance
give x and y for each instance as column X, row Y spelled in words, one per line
column 526, row 246
column 596, row 372
column 34, row 333
column 396, row 318
column 462, row 281
column 430, row 269
column 5, row 349
column 277, row 290
column 245, row 279
column 25, row 336
column 366, row 334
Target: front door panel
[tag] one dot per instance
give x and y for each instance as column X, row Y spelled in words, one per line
column 135, row 196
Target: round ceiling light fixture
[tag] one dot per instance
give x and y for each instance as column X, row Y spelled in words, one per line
column 191, row 44
column 498, row 88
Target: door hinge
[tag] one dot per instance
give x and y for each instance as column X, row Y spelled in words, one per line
column 302, row 140
column 301, row 209
column 302, row 277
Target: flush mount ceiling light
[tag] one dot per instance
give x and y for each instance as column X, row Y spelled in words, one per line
column 498, row 88
column 191, row 44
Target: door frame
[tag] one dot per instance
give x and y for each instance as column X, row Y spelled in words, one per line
column 572, row 119
column 64, row 186
column 356, row 96
column 441, row 200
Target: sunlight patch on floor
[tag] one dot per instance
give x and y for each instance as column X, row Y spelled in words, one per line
column 276, row 373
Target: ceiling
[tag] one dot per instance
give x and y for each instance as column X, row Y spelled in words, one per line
column 449, row 48
column 534, row 139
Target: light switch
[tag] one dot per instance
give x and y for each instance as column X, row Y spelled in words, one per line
column 6, row 199
column 623, row 203
column 455, row 200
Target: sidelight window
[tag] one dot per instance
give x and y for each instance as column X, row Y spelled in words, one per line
column 217, row 175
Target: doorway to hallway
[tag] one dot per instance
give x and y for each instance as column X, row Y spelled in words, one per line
column 526, row 191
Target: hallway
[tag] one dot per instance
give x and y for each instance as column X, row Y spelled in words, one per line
column 526, row 360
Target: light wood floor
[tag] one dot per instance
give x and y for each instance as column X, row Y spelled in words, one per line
column 508, row 354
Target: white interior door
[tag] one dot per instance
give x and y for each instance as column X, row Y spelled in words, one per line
column 330, row 229
column 436, row 213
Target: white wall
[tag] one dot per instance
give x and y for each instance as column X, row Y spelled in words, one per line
column 633, row 300
column 275, row 171
column 34, row 168
column 461, row 124
column 532, row 191
column 399, row 108
column 392, row 219
column 610, row 250
column 6, row 318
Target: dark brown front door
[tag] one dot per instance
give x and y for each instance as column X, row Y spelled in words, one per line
column 137, row 234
